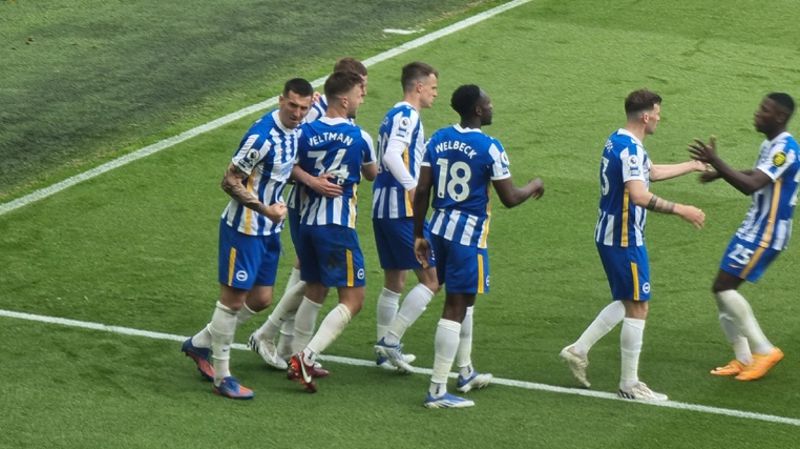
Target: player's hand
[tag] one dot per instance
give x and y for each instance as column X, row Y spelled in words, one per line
column 315, row 98
column 709, row 176
column 276, row 212
column 691, row 214
column 538, row 188
column 322, row 185
column 704, row 152
column 422, row 250
column 700, row 166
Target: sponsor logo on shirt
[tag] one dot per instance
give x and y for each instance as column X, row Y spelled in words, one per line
column 779, row 159
column 633, row 164
column 402, row 130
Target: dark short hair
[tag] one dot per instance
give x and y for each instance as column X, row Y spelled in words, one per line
column 464, row 100
column 299, row 86
column 349, row 64
column 641, row 100
column 340, row 83
column 414, row 72
column 784, row 100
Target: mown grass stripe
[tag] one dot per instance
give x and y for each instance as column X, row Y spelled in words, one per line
column 224, row 120
column 371, row 363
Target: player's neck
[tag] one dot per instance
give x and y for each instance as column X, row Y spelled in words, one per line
column 637, row 129
column 413, row 100
column 336, row 111
column 772, row 134
column 474, row 123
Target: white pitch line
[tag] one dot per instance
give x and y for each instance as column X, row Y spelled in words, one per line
column 371, row 363
column 224, row 120
column 399, row 31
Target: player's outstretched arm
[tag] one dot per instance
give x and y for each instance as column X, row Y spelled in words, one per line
column 747, row 181
column 643, row 198
column 512, row 196
column 233, row 183
column 669, row 171
column 712, row 175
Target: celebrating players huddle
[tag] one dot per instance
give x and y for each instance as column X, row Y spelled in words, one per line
column 315, row 143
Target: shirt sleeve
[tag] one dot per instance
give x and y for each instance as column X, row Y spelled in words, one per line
column 301, row 146
column 393, row 160
column 368, row 156
column 316, row 111
column 632, row 161
column 500, row 162
column 251, row 151
column 426, row 155
column 403, row 125
column 776, row 161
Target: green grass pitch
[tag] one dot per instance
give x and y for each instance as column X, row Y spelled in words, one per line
column 136, row 247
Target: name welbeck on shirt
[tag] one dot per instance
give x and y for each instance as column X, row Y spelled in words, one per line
column 455, row 145
column 329, row 136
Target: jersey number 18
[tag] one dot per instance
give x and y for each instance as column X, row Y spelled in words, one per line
column 453, row 179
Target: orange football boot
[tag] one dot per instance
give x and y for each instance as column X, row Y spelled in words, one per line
column 761, row 365
column 733, row 368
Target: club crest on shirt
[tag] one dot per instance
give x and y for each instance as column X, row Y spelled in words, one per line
column 779, row 159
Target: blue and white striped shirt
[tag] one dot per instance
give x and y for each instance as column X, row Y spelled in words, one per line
column 318, row 109
column 620, row 222
column 769, row 220
column 337, row 146
column 463, row 161
column 266, row 153
column 389, row 198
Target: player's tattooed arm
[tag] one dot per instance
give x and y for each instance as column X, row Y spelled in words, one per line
column 657, row 204
column 234, row 184
column 640, row 196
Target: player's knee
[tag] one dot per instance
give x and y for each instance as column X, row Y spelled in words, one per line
column 231, row 297
column 720, row 285
column 429, row 279
column 636, row 309
column 394, row 280
column 455, row 310
column 432, row 285
column 353, row 308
